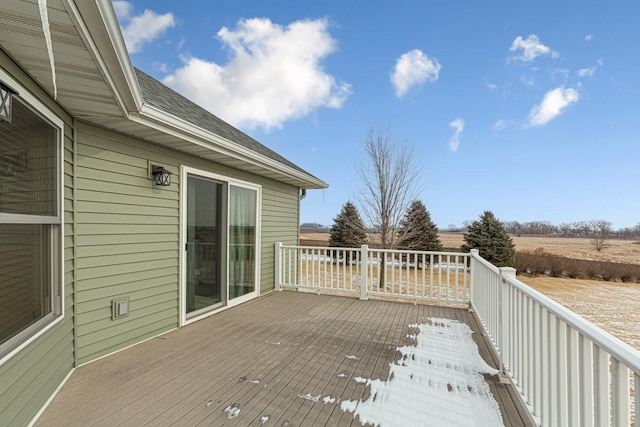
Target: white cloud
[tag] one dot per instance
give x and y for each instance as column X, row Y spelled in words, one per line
column 553, row 104
column 530, row 48
column 454, row 141
column 273, row 74
column 413, row 69
column 491, row 86
column 123, row 9
column 499, row 125
column 588, row 37
column 586, row 72
column 141, row 29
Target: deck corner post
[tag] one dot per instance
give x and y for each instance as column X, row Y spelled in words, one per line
column 475, row 253
column 276, row 272
column 364, row 262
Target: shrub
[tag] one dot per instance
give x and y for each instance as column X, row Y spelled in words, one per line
column 539, row 262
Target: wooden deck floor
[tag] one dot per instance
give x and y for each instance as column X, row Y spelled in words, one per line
column 260, row 357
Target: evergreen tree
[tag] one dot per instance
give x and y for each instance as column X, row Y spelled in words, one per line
column 489, row 236
column 348, row 230
column 417, row 232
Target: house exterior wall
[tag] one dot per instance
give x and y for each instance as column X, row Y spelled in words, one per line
column 121, row 238
column 31, row 376
column 128, row 237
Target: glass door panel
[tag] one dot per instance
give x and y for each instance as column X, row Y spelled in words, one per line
column 204, row 245
column 242, row 241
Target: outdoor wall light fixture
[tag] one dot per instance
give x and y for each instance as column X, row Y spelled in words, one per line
column 161, row 176
column 6, row 98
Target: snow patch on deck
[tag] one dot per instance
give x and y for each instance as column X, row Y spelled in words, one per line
column 437, row 382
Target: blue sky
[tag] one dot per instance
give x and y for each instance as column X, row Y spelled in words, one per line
column 531, row 110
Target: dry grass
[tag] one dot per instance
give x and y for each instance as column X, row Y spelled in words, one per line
column 613, row 306
column 616, row 250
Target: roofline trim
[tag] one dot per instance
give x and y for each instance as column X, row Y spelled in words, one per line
column 130, row 99
column 172, row 125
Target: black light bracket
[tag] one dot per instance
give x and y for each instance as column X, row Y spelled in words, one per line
column 160, row 176
column 6, row 100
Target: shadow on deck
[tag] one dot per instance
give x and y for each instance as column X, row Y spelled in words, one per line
column 260, row 357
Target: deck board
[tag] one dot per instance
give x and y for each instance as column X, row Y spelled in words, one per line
column 260, row 356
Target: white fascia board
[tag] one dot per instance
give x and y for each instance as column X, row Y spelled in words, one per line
column 169, row 124
column 97, row 24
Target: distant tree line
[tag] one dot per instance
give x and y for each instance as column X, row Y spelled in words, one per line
column 569, row 229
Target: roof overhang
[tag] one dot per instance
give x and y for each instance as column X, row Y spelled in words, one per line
column 96, row 83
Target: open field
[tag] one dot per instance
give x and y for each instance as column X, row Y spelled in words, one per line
column 613, row 306
column 616, row 250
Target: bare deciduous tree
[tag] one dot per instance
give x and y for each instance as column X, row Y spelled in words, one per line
column 599, row 231
column 389, row 183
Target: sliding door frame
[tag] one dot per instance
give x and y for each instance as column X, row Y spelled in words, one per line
column 227, row 182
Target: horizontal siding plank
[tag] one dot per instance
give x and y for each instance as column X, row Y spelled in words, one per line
column 134, row 200
column 115, row 270
column 97, row 310
column 102, row 348
column 125, row 278
column 110, row 229
column 114, row 218
column 94, row 299
column 116, row 239
column 124, row 208
column 143, row 190
column 132, row 248
column 123, row 259
column 98, row 327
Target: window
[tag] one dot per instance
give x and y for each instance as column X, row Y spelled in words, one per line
column 30, row 223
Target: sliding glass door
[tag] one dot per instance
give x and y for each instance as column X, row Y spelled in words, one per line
column 221, row 235
column 242, row 241
column 204, row 245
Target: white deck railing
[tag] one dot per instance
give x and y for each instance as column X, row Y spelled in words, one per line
column 568, row 372
column 418, row 276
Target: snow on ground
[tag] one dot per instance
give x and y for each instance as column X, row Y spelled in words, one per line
column 437, row 382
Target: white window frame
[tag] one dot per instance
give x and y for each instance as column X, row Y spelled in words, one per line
column 226, row 181
column 17, row 343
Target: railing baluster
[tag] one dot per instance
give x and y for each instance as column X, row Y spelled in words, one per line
column 545, row 382
column 536, row 400
column 431, row 276
column 587, row 370
column 573, row 380
column 561, row 372
column 424, row 272
column 621, row 408
column 636, row 391
column 601, row 386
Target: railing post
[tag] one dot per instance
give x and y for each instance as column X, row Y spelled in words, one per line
column 472, row 274
column 504, row 342
column 364, row 271
column 278, row 266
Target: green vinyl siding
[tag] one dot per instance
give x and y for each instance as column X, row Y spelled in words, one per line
column 128, row 235
column 280, row 204
column 127, row 244
column 30, row 377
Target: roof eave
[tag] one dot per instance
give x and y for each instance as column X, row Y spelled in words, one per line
column 100, row 29
column 151, row 116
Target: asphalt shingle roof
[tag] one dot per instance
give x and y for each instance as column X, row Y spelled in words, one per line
column 171, row 102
